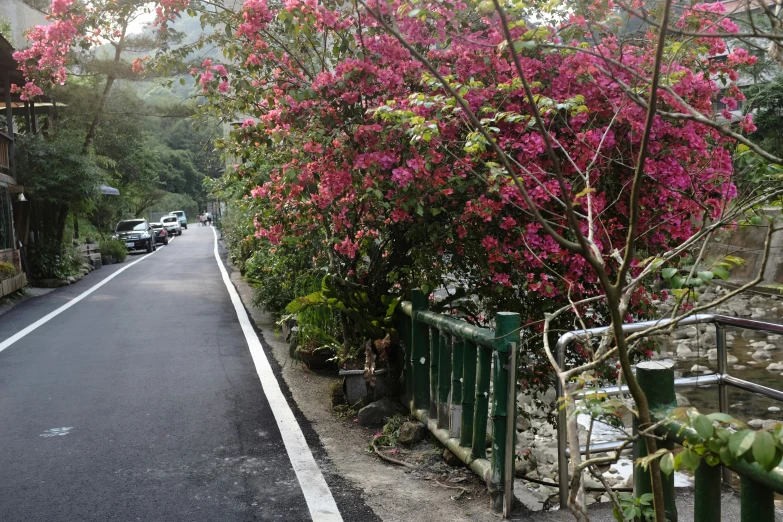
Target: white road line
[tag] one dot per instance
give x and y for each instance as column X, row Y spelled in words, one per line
column 316, row 492
column 51, row 315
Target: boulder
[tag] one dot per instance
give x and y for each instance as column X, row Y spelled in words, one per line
column 379, row 412
column 775, row 367
column 730, row 359
column 773, row 409
column 451, row 459
column 411, row 433
column 699, row 368
column 682, row 400
column 684, row 351
column 761, row 355
column 525, row 465
column 769, row 347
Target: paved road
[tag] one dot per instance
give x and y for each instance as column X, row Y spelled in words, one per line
column 141, row 402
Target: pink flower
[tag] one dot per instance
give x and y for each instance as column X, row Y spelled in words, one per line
column 402, row 176
column 347, row 247
column 223, row 87
column 138, row 65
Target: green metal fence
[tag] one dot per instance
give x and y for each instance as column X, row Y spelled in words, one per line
column 449, row 365
column 757, row 486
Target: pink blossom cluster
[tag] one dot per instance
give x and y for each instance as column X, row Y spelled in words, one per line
column 43, row 63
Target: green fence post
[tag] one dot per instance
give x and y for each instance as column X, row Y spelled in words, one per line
column 419, row 353
column 656, row 378
column 404, row 330
column 757, row 502
column 455, row 408
column 706, row 495
column 434, row 349
column 506, row 331
column 444, row 379
column 479, row 445
column 468, row 393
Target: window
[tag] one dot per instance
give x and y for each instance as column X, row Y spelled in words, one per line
column 127, row 226
column 6, row 220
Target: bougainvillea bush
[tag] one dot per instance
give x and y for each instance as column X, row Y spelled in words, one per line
column 373, row 153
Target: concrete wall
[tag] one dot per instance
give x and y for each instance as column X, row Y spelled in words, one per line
column 22, row 17
column 748, row 243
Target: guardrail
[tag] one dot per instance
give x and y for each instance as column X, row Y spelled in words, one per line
column 721, row 378
column 448, row 367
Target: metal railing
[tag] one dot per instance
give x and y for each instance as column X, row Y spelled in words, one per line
column 448, row 367
column 721, row 378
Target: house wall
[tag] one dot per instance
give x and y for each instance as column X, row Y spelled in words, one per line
column 22, row 17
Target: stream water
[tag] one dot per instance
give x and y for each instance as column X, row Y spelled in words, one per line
column 753, row 356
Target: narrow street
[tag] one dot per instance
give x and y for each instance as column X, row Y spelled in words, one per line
column 143, row 402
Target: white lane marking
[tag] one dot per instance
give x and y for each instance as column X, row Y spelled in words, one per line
column 51, row 315
column 316, row 492
column 56, row 432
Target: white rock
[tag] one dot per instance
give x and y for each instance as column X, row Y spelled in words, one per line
column 769, row 347
column 756, row 423
column 740, row 367
column 731, row 359
column 684, row 351
column 775, row 367
column 761, row 355
column 712, row 354
column 698, row 368
column 682, row 401
column 773, row 409
column 773, row 338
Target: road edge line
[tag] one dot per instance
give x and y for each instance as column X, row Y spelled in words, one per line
column 318, row 496
column 51, row 315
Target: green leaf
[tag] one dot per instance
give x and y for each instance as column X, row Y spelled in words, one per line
column 690, row 459
column 721, row 417
column 667, row 273
column 720, row 272
column 755, row 220
column 646, row 498
column 413, row 12
column 677, row 282
column 726, row 456
column 705, row 275
column 764, row 449
column 667, row 464
column 741, row 442
column 703, row 426
column 425, row 289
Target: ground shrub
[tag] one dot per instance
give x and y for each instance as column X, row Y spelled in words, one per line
column 115, row 248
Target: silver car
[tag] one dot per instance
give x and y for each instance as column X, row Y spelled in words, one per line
column 171, row 224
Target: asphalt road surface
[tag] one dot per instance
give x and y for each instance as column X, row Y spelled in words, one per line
column 142, row 402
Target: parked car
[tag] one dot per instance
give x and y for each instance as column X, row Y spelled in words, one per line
column 137, row 234
column 171, row 222
column 183, row 219
column 161, row 234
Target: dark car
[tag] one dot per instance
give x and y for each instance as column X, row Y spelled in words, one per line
column 137, row 234
column 161, row 234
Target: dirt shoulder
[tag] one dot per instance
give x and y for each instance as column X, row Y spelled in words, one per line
column 394, row 493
